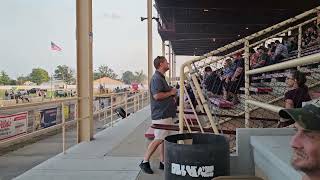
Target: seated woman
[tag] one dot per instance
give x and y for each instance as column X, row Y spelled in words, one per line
column 298, row 92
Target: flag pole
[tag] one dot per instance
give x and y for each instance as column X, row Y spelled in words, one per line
column 52, row 93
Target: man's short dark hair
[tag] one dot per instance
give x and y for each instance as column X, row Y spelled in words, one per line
column 207, row 69
column 277, row 42
column 158, row 60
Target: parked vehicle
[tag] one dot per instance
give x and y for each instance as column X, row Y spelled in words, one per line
column 33, row 90
column 61, row 93
column 64, row 93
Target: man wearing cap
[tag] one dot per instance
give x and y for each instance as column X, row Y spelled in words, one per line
column 306, row 141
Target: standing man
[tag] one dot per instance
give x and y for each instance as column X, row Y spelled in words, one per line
column 163, row 110
column 306, row 141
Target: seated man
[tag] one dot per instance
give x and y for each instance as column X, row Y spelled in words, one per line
column 191, row 95
column 237, row 79
column 261, row 60
column 207, row 72
column 280, row 53
column 213, row 83
column 228, row 70
column 306, row 141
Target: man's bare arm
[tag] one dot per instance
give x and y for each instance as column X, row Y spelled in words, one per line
column 164, row 95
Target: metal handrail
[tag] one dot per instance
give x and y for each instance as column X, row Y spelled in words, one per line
column 287, row 64
column 63, row 124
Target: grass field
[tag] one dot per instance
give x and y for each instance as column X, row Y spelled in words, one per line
column 2, row 91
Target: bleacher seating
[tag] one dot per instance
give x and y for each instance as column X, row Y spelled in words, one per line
column 221, row 103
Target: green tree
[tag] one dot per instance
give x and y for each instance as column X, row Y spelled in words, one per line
column 39, row 76
column 22, row 79
column 105, row 71
column 13, row 82
column 139, row 77
column 127, row 77
column 4, row 78
column 65, row 73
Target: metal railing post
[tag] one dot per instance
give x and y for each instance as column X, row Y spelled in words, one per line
column 111, row 110
column 193, row 109
column 134, row 102
column 300, row 41
column 63, row 129
column 138, row 101
column 247, row 83
column 204, row 102
column 126, row 103
column 196, row 95
column 142, row 94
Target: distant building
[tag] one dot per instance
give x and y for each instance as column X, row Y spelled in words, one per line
column 29, row 83
column 107, row 83
column 56, row 84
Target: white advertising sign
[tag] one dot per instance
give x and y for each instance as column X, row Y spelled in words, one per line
column 13, row 125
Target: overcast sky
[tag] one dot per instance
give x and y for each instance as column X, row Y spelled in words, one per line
column 28, row 26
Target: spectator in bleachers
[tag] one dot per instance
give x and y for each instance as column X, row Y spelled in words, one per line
column 309, row 35
column 261, row 59
column 291, row 43
column 315, row 40
column 271, row 49
column 191, row 95
column 213, row 84
column 298, row 92
column 207, row 72
column 253, row 56
column 236, row 80
column 280, row 53
column 228, row 71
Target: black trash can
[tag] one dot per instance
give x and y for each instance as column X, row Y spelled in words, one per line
column 207, row 157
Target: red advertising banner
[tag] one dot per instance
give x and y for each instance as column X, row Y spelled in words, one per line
column 13, row 125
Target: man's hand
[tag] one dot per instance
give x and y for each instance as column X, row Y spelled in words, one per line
column 173, row 91
column 227, row 80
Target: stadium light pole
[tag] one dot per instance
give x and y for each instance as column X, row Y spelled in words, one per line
column 149, row 18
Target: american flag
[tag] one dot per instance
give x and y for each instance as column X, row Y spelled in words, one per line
column 55, row 47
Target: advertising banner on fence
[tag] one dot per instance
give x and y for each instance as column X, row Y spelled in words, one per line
column 66, row 110
column 13, row 125
column 48, row 117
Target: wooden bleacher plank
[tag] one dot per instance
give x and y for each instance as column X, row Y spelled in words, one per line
column 234, row 116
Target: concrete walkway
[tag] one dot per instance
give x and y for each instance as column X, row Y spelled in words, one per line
column 19, row 161
column 114, row 154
